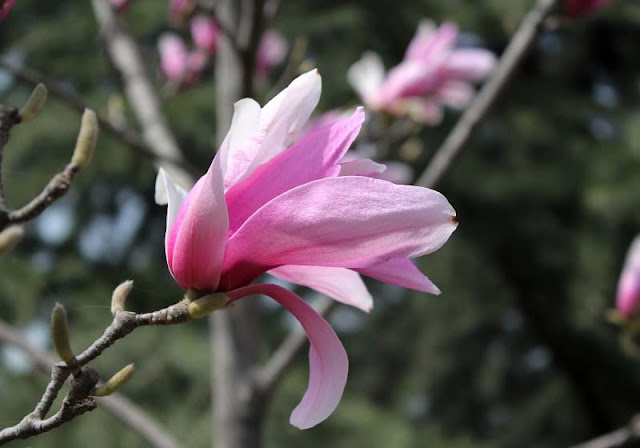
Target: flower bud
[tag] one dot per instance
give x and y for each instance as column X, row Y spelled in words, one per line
column 119, row 296
column 208, row 304
column 115, row 382
column 34, row 104
column 60, row 333
column 87, row 139
column 9, row 237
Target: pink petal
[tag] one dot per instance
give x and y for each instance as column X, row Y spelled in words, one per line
column 366, row 77
column 343, row 285
column 196, row 242
column 401, row 272
column 167, row 192
column 6, row 7
column 234, row 158
column 315, row 157
column 342, row 222
column 469, row 64
column 328, row 363
column 269, row 131
column 577, row 8
column 628, row 296
column 271, row 51
column 398, row 173
column 173, row 56
column 361, row 167
column 456, row 94
column 204, row 32
column 432, row 47
column 284, row 116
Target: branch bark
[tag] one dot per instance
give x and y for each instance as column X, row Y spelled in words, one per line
column 80, row 400
column 616, row 438
column 143, row 98
column 478, row 109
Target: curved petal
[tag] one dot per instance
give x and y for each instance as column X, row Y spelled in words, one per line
column 432, row 46
column 342, row 222
column 196, row 242
column 456, row 94
column 343, row 285
column 169, row 193
column 328, row 363
column 234, row 154
column 366, row 77
column 284, row 116
column 401, row 272
column 315, row 157
column 361, row 167
column 470, row 64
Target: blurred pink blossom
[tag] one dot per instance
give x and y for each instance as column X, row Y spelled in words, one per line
column 271, row 51
column 578, row 8
column 628, row 297
column 204, row 32
column 433, row 74
column 5, row 8
column 271, row 202
column 177, row 63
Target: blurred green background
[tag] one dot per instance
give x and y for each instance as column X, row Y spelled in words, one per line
column 514, row 353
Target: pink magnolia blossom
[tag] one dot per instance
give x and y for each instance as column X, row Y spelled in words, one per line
column 5, row 7
column 433, row 73
column 178, row 64
column 578, row 8
column 273, row 203
column 271, row 51
column 628, row 297
column 204, row 32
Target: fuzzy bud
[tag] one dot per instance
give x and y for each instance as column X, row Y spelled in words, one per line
column 208, row 304
column 60, row 333
column 115, row 382
column 87, row 139
column 34, row 104
column 9, row 237
column 119, row 296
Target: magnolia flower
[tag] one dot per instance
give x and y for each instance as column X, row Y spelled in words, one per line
column 628, row 297
column 204, row 32
column 578, row 8
column 5, row 7
column 271, row 51
column 433, row 73
column 269, row 203
column 177, row 63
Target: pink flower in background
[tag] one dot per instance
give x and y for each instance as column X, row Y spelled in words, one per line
column 179, row 10
column 178, row 64
column 271, row 202
column 628, row 297
column 578, row 8
column 271, row 52
column 433, row 73
column 204, row 32
column 5, row 7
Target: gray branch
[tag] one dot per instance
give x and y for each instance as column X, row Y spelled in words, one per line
column 139, row 89
column 79, row 399
column 478, row 109
column 617, row 438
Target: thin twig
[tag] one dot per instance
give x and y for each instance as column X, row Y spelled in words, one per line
column 79, row 399
column 139, row 89
column 126, row 136
column 617, row 438
column 478, row 109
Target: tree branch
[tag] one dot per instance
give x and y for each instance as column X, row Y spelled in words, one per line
column 478, row 109
column 143, row 98
column 617, row 438
column 126, row 136
column 79, row 399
